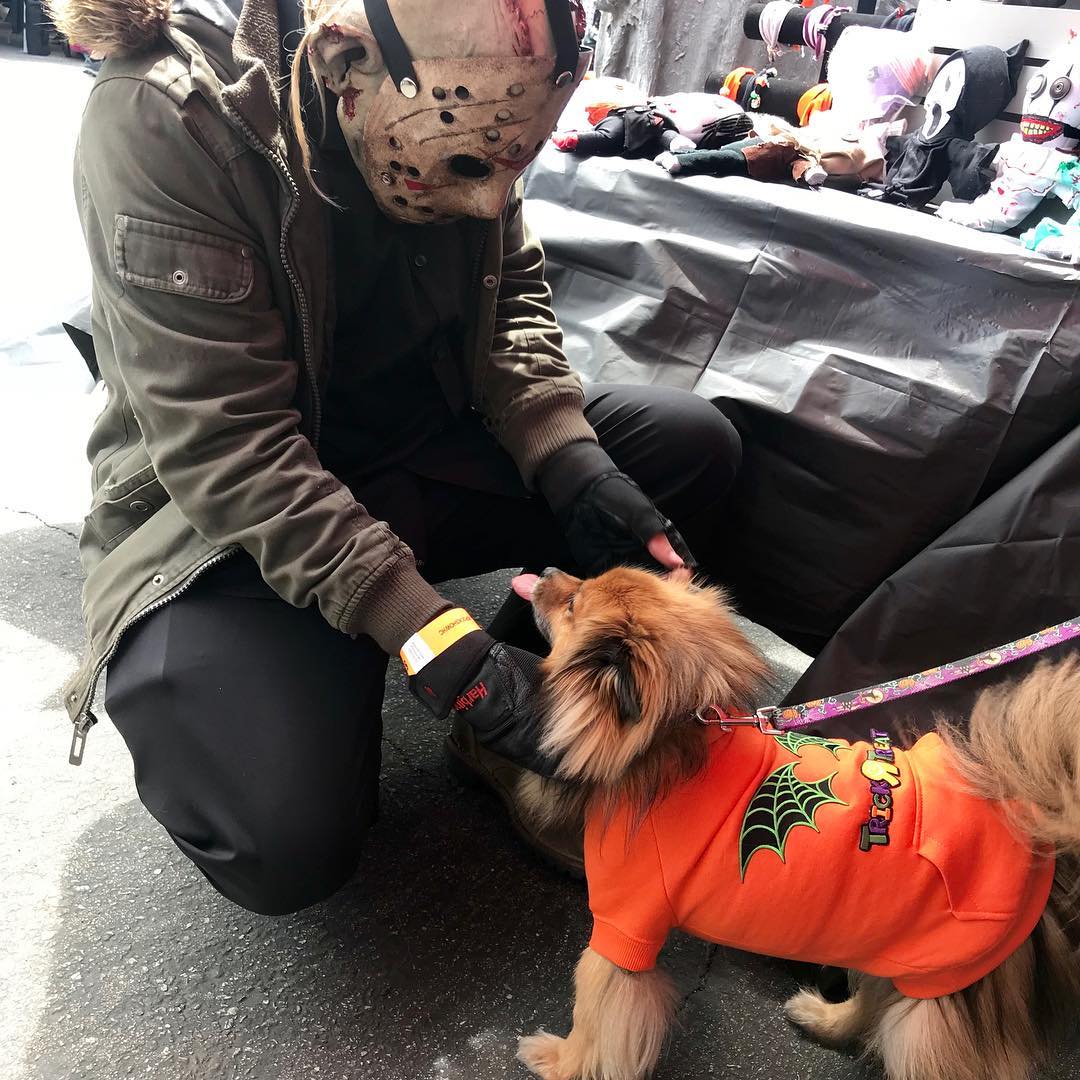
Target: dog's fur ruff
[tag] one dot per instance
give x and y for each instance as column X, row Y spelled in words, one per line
column 632, row 656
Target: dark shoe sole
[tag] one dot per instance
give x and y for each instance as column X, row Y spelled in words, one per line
column 464, row 772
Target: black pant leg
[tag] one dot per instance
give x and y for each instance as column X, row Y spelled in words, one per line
column 681, row 450
column 255, row 731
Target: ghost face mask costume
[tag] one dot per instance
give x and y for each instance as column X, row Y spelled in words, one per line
column 443, row 106
column 969, row 90
column 1051, row 115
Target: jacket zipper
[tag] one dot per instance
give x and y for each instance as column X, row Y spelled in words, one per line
column 301, row 300
column 86, row 719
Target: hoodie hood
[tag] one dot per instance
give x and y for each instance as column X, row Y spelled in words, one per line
column 126, row 27
column 969, row 90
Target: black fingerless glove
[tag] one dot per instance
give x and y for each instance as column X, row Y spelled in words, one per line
column 606, row 518
column 493, row 686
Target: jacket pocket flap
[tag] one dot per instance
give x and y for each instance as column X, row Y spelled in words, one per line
column 125, row 506
column 182, row 261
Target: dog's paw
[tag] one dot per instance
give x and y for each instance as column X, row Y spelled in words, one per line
column 542, row 1054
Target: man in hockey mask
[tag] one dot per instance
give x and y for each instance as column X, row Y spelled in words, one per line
column 336, row 381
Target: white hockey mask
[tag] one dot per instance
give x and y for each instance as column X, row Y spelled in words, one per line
column 439, row 139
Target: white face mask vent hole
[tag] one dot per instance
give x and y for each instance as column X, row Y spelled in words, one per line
column 446, row 117
column 472, row 168
column 401, row 200
column 462, row 93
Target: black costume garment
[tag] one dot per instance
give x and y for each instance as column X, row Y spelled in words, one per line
column 915, row 169
column 635, row 132
column 402, row 294
column 917, row 165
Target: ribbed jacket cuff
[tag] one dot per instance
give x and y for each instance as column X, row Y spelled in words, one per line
column 400, row 602
column 543, row 426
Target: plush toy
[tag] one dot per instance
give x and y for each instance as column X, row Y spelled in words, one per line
column 772, row 159
column 840, row 153
column 1054, row 239
column 676, row 122
column 595, row 98
column 1040, row 162
column 969, row 90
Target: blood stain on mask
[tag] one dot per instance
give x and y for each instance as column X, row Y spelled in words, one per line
column 348, row 101
column 519, row 23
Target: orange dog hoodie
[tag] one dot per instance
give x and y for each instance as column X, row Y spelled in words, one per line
column 859, row 855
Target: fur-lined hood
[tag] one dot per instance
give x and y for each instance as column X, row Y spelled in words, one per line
column 126, row 27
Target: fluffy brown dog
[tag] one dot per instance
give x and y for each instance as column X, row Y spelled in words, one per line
column 982, row 933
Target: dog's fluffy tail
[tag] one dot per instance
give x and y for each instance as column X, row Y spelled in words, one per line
column 1023, row 748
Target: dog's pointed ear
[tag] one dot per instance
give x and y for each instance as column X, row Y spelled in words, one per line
column 627, row 699
column 613, row 660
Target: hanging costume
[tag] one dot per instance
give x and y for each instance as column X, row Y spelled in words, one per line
column 857, row 855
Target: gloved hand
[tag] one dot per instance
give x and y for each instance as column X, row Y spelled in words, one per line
column 495, row 688
column 606, row 518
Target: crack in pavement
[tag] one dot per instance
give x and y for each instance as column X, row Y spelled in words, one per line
column 711, row 952
column 41, row 520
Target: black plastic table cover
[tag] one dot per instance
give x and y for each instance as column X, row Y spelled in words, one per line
column 908, row 392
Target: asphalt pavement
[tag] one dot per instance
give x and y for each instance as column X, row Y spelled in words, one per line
column 117, row 960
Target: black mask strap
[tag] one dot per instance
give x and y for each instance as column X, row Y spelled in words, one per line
column 566, row 42
column 399, row 62
column 395, row 54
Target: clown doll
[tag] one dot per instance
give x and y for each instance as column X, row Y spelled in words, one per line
column 1040, row 162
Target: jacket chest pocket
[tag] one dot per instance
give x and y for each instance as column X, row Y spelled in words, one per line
column 125, row 506
column 186, row 262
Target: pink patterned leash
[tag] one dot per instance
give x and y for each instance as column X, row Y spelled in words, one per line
column 776, row 719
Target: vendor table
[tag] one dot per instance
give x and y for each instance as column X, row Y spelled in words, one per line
column 908, row 392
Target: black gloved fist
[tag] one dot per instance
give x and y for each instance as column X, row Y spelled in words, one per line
column 493, row 686
column 606, row 518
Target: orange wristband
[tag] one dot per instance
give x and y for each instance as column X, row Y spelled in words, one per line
column 436, row 637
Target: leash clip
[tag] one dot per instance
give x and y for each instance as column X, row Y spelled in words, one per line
column 762, row 719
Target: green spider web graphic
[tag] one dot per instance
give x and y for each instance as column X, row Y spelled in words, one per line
column 781, row 802
column 793, row 742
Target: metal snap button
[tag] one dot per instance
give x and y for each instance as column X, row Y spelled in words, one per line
column 139, row 506
column 420, row 261
column 491, row 281
column 180, row 277
column 158, row 579
column 245, row 252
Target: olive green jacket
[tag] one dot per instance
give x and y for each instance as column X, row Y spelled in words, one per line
column 212, row 317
